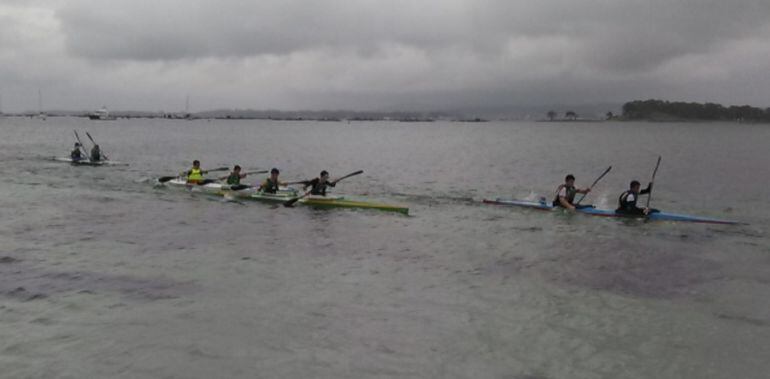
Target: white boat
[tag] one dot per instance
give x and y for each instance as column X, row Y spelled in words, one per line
column 101, row 114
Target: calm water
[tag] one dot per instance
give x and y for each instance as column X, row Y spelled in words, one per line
column 104, row 275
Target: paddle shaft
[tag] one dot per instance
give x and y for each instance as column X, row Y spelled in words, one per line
column 82, row 147
column 94, row 142
column 649, row 194
column 595, row 181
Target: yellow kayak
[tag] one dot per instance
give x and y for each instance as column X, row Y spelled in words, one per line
column 341, row 202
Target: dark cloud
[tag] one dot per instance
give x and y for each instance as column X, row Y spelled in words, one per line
column 382, row 53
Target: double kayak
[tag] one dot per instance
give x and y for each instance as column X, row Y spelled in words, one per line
column 592, row 211
column 88, row 162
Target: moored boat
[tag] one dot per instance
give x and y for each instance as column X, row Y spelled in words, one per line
column 101, row 114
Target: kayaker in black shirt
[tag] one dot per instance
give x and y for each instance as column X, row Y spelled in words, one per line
column 565, row 193
column 75, row 154
column 319, row 184
column 235, row 176
column 627, row 200
column 272, row 184
column 96, row 153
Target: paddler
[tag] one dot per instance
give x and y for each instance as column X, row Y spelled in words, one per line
column 272, row 184
column 565, row 193
column 75, row 154
column 195, row 174
column 235, row 176
column 96, row 153
column 627, row 200
column 319, row 184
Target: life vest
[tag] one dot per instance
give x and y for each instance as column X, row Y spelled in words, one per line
column 269, row 186
column 195, row 175
column 624, row 203
column 96, row 154
column 318, row 188
column 234, row 179
column 571, row 191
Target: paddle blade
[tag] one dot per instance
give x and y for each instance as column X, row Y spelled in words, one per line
column 164, row 179
column 238, row 187
column 291, row 202
column 349, row 175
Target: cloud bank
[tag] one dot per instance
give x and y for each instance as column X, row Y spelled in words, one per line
column 378, row 54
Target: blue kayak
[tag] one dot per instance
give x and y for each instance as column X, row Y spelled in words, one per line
column 590, row 210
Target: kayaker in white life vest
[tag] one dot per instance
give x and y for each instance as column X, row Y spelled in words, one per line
column 565, row 193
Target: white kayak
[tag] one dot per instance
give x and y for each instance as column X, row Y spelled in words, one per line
column 88, row 162
column 215, row 188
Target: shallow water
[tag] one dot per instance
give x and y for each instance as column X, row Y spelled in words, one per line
column 103, row 274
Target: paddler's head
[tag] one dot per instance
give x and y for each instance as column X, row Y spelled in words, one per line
column 274, row 173
column 324, row 175
column 569, row 180
column 635, row 186
column 237, row 169
column 77, row 145
column 196, row 164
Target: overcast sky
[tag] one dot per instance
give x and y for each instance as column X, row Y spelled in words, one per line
column 379, row 54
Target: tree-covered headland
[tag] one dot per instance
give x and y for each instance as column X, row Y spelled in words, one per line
column 677, row 110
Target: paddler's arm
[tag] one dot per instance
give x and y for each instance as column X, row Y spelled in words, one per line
column 646, row 190
column 584, row 191
column 308, row 183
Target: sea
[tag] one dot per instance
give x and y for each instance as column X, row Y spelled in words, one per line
column 104, row 273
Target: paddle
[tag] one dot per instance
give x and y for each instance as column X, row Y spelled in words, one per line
column 256, row 172
column 649, row 194
column 82, row 147
column 595, row 181
column 94, row 142
column 164, row 179
column 294, row 200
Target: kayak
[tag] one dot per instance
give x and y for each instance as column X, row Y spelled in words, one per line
column 341, row 202
column 88, row 162
column 214, row 188
column 591, row 210
column 283, row 195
